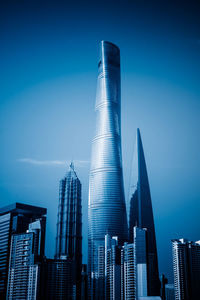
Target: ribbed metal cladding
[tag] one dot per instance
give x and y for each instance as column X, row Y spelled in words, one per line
column 106, row 211
column 69, row 218
column 69, row 231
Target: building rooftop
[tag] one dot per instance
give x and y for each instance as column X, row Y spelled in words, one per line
column 23, row 208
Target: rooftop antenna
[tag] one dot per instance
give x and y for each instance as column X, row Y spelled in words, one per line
column 72, row 165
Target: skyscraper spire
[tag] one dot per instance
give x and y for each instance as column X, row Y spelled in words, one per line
column 72, row 165
column 141, row 213
column 106, row 208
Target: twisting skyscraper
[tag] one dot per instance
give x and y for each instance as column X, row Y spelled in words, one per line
column 141, row 214
column 106, row 210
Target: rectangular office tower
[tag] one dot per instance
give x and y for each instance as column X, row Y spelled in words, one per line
column 106, row 206
column 26, row 255
column 141, row 214
column 15, row 219
column 186, row 265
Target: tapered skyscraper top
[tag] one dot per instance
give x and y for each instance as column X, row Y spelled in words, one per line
column 141, row 213
column 66, row 276
column 69, row 219
column 140, row 186
column 106, row 210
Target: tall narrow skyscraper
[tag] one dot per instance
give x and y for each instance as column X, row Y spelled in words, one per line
column 106, row 207
column 141, row 214
column 112, row 268
column 69, row 228
column 69, row 222
column 186, row 265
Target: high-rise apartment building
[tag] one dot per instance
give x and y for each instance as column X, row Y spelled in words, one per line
column 68, row 256
column 134, row 266
column 100, row 276
column 15, row 219
column 26, row 255
column 128, row 291
column 112, row 268
column 186, row 265
column 141, row 214
column 141, row 254
column 126, row 267
column 106, row 207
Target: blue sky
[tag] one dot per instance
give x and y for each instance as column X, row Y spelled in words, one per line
column 48, row 61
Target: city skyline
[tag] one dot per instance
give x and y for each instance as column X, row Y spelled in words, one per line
column 49, row 84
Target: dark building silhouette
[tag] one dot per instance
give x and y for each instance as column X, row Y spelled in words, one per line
column 163, row 282
column 141, row 215
column 15, row 219
column 186, row 265
column 58, row 279
column 64, row 272
column 84, row 283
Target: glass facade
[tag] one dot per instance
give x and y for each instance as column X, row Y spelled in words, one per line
column 24, row 266
column 69, row 219
column 141, row 214
column 106, row 207
column 186, row 266
column 140, row 261
column 58, row 280
column 69, row 228
column 112, row 268
column 14, row 219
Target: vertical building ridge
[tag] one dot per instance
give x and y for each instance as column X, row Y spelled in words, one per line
column 69, row 231
column 69, row 218
column 106, row 207
column 186, row 267
column 141, row 213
